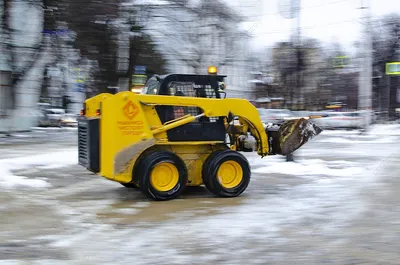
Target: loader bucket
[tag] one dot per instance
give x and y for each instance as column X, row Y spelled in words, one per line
column 291, row 135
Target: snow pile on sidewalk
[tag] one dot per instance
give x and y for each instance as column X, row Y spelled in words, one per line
column 372, row 131
column 360, row 139
column 8, row 180
column 57, row 159
column 313, row 167
column 390, row 129
column 377, row 134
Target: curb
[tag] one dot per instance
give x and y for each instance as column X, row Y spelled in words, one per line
column 5, row 135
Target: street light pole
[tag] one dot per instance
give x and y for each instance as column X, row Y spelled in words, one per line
column 295, row 13
column 365, row 77
column 298, row 53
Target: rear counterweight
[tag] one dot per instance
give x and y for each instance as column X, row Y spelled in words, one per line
column 89, row 143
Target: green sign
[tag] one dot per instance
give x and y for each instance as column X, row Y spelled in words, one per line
column 341, row 61
column 393, row 68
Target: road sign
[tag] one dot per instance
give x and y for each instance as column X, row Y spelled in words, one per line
column 79, row 87
column 139, row 69
column 341, row 61
column 393, row 68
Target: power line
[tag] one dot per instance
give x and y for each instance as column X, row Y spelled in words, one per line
column 304, row 8
column 307, row 27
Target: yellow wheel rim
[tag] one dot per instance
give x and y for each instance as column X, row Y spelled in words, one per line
column 230, row 174
column 164, row 177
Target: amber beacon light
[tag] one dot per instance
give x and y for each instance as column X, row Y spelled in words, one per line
column 212, row 70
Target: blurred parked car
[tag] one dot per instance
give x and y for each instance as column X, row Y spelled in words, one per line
column 341, row 120
column 52, row 117
column 276, row 116
column 309, row 114
column 69, row 120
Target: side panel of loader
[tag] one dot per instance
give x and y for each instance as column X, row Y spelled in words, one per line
column 125, row 133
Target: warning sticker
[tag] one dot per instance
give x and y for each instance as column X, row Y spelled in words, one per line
column 131, row 127
column 130, row 110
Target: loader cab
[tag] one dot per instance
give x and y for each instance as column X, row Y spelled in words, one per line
column 188, row 85
column 152, row 86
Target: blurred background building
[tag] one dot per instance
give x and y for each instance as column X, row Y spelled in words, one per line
column 61, row 52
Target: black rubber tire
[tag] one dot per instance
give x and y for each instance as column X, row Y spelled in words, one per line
column 130, row 185
column 206, row 171
column 210, row 169
column 145, row 167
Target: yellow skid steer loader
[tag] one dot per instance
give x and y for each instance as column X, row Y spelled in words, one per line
column 181, row 131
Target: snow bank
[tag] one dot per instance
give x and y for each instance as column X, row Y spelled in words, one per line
column 373, row 130
column 8, row 180
column 64, row 158
column 378, row 134
column 53, row 129
column 51, row 160
column 339, row 132
column 392, row 129
column 311, row 167
column 359, row 139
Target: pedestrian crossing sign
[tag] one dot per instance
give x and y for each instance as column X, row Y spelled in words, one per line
column 393, row 68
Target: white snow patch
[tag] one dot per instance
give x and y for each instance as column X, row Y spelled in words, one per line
column 54, row 129
column 357, row 140
column 141, row 204
column 51, row 166
column 373, row 130
column 207, row 202
column 8, row 180
column 258, row 161
column 392, row 129
column 311, row 167
column 127, row 211
column 66, row 157
column 339, row 133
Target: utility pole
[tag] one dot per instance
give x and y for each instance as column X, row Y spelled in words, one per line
column 393, row 84
column 365, row 77
column 290, row 9
column 297, row 6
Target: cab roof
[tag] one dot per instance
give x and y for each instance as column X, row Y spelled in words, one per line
column 189, row 77
column 197, row 79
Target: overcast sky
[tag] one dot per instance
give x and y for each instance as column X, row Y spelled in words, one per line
column 327, row 20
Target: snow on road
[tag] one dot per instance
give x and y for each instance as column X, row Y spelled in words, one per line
column 49, row 160
column 372, row 131
column 9, row 180
column 103, row 224
column 313, row 167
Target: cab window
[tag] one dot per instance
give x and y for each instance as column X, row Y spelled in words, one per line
column 152, row 86
column 183, row 89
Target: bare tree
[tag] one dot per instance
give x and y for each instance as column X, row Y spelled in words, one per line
column 195, row 35
column 22, row 56
column 386, row 47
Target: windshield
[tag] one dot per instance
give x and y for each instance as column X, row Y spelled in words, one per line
column 152, row 86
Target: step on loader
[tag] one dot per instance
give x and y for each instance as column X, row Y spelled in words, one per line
column 180, row 131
